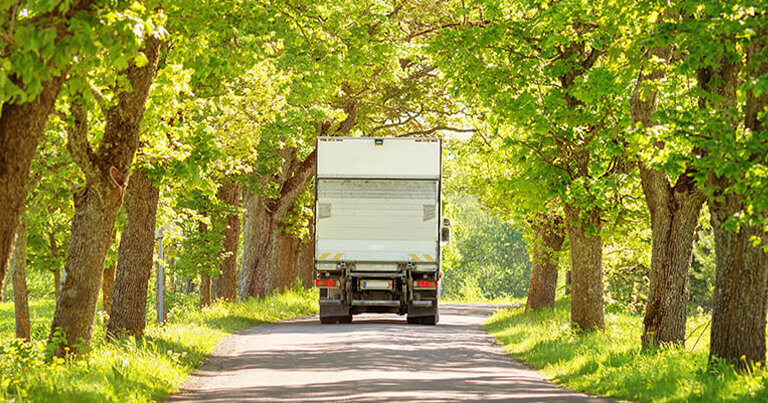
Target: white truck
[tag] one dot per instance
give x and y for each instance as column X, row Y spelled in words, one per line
column 378, row 227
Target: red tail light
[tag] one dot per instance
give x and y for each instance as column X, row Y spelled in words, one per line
column 425, row 284
column 326, row 283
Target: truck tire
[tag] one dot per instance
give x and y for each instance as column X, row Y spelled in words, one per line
column 345, row 319
column 328, row 320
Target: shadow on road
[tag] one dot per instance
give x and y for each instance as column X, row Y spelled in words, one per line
column 375, row 358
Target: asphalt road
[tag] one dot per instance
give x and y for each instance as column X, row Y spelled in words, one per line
column 375, row 358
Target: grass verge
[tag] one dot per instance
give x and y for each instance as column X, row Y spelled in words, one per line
column 130, row 370
column 612, row 364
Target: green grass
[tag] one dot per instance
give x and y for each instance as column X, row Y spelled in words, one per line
column 612, row 364
column 465, row 299
column 130, row 370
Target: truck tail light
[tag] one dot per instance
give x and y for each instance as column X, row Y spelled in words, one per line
column 326, row 283
column 424, row 284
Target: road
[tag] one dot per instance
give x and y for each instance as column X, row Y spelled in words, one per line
column 375, row 358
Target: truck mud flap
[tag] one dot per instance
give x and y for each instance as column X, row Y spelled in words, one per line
column 332, row 311
column 423, row 313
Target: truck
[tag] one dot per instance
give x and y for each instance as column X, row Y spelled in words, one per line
column 379, row 227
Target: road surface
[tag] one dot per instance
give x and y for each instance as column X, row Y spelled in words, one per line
column 375, row 358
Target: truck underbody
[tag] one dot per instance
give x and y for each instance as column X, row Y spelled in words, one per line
column 409, row 289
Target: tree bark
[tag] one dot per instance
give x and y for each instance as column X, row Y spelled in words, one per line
column 307, row 265
column 286, row 260
column 97, row 204
column 587, row 268
column 21, row 127
column 674, row 211
column 205, row 289
column 2, row 285
column 226, row 289
column 107, row 288
column 259, row 231
column 56, row 282
column 20, row 294
column 261, row 226
column 549, row 236
column 741, row 288
column 134, row 257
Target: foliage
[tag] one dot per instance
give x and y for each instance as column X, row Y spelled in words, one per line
column 612, row 364
column 128, row 369
column 548, row 80
column 487, row 258
column 702, row 276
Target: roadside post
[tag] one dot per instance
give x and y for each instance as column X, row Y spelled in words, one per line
column 160, row 277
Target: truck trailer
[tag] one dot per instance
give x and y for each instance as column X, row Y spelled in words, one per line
column 378, row 227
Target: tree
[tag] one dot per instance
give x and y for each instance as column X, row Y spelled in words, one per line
column 229, row 193
column 20, row 294
column 549, row 76
column 98, row 202
column 674, row 207
column 134, row 257
column 36, row 52
column 718, row 129
column 548, row 240
column 733, row 149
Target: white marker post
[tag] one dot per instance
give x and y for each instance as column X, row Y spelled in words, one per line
column 160, row 278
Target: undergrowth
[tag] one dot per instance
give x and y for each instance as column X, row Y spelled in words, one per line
column 129, row 369
column 612, row 364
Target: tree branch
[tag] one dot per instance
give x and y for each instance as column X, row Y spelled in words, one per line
column 77, row 140
column 435, row 129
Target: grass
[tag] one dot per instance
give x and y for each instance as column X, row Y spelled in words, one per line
column 612, row 364
column 130, row 370
column 465, row 299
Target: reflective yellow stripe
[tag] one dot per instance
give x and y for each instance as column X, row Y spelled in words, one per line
column 415, row 257
column 337, row 256
column 324, row 256
column 430, row 258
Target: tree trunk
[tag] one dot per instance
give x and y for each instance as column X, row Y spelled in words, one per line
column 549, row 236
column 107, row 288
column 97, row 204
column 205, row 289
column 2, row 284
column 20, row 294
column 258, row 234
column 741, row 288
column 587, row 266
column 674, row 212
column 261, row 224
column 134, row 257
column 226, row 289
column 56, row 281
column 286, row 260
column 21, row 127
column 739, row 303
column 307, row 265
column 190, row 288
